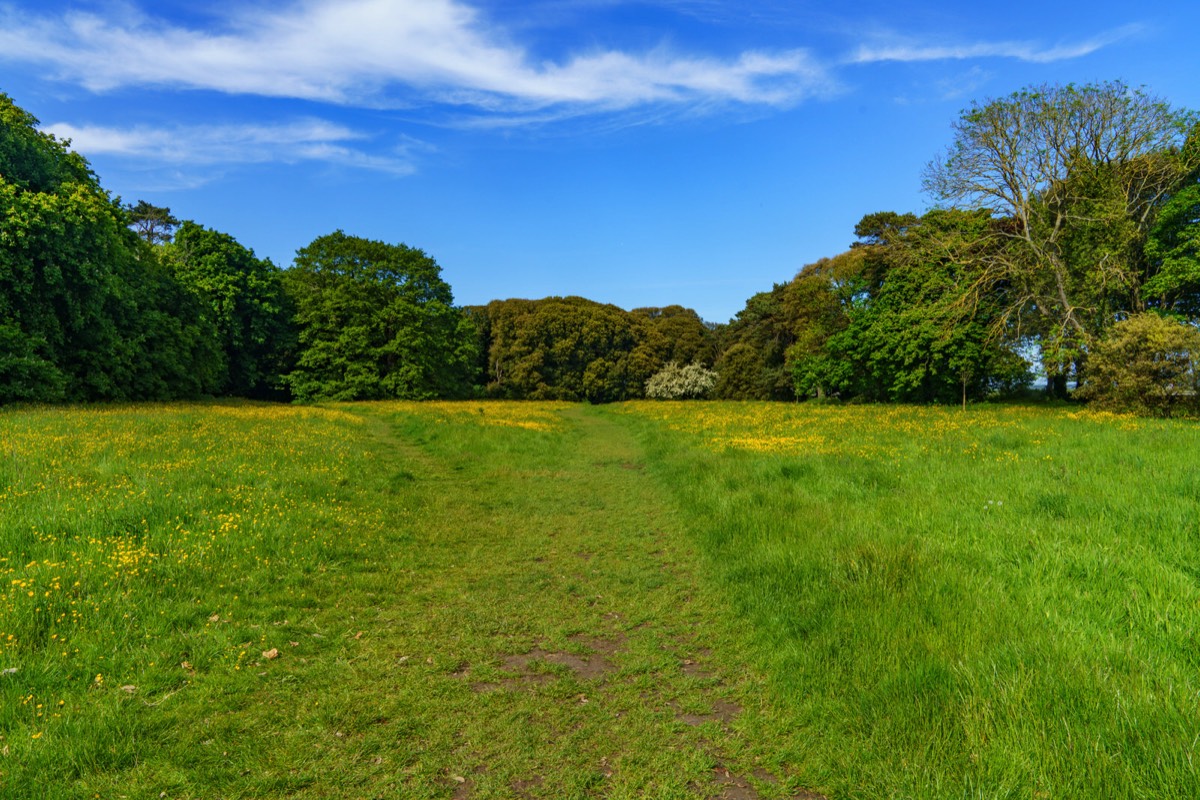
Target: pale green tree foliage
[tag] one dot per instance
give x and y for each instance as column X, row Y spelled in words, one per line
column 1146, row 364
column 674, row 382
column 1078, row 173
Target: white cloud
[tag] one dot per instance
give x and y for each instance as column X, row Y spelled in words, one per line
column 898, row 49
column 205, row 145
column 435, row 53
column 381, row 51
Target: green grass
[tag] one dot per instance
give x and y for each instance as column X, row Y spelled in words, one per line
column 505, row 600
column 1005, row 609
column 460, row 609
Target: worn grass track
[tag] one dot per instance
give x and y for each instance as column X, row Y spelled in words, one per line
column 586, row 656
column 384, row 600
column 486, row 600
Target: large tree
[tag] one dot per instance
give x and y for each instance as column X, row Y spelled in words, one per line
column 751, row 365
column 375, row 321
column 680, row 334
column 244, row 298
column 155, row 224
column 1079, row 173
column 87, row 311
column 893, row 318
column 568, row 348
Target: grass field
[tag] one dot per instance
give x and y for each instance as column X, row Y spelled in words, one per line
column 487, row 600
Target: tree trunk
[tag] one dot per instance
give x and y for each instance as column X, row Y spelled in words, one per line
column 1056, row 386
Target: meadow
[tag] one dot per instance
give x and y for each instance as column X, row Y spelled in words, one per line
column 484, row 600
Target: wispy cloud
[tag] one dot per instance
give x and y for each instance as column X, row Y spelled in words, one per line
column 907, row 50
column 444, row 56
column 206, row 145
column 384, row 52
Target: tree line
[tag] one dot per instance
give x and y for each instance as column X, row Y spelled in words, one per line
column 1066, row 238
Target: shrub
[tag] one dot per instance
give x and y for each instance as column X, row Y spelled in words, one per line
column 1145, row 364
column 674, row 382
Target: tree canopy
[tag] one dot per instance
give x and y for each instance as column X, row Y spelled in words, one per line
column 1067, row 230
column 244, row 299
column 1078, row 174
column 568, row 348
column 894, row 318
column 87, row 311
column 376, row 320
column 155, row 224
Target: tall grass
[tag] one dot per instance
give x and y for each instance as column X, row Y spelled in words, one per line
column 149, row 556
column 396, row 599
column 1001, row 602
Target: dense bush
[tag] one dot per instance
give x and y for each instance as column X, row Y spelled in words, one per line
column 1146, row 364
column 87, row 310
column 674, row 382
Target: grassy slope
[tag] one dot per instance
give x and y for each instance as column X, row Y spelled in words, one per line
column 460, row 608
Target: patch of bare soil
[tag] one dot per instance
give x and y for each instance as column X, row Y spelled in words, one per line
column 694, row 668
column 588, row 667
column 723, row 712
column 462, row 787
column 525, row 788
column 591, row 666
column 736, row 787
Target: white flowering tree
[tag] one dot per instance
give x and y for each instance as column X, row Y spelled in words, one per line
column 673, row 382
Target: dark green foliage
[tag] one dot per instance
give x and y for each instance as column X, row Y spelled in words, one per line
column 822, row 296
column 895, row 318
column 87, row 310
column 680, row 335
column 36, row 161
column 1146, row 364
column 169, row 347
column 569, row 348
column 1173, row 250
column 741, row 374
column 376, row 321
column 243, row 296
column 752, row 363
column 25, row 372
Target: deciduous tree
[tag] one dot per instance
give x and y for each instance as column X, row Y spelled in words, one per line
column 245, row 301
column 568, row 348
column 1079, row 173
column 86, row 309
column 376, row 320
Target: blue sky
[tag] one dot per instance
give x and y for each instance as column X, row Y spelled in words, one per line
column 637, row 153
